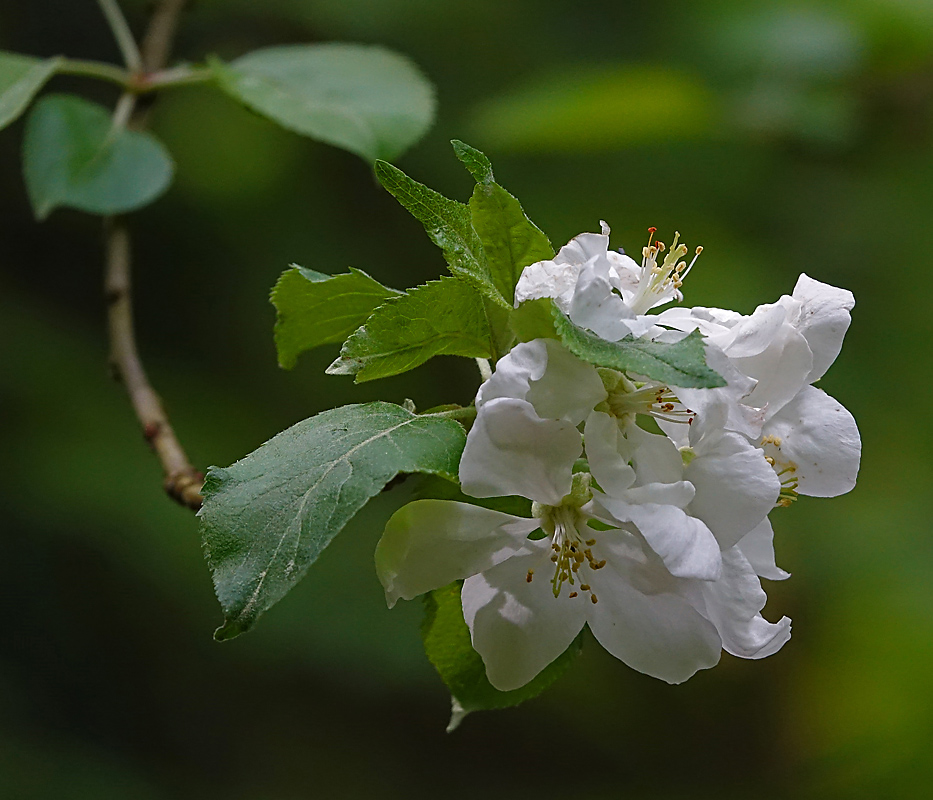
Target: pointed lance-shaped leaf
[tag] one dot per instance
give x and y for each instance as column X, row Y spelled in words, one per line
column 443, row 317
column 268, row 517
column 682, row 363
column 449, row 225
column 510, row 240
column 314, row 308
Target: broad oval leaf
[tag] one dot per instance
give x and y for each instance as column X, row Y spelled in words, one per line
column 267, row 518
column 447, row 644
column 315, row 309
column 365, row 99
column 74, row 157
column 443, row 317
column 21, row 78
column 682, row 363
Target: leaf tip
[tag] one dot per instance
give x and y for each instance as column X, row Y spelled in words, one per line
column 457, row 714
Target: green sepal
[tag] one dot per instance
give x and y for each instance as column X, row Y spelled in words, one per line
column 680, row 363
column 267, row 518
column 314, row 308
column 442, row 317
column 447, row 644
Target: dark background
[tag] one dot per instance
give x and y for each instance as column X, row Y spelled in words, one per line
column 784, row 137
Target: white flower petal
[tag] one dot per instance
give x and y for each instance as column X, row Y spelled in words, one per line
column 518, row 627
column 781, row 370
column 740, row 417
column 733, row 604
column 642, row 621
column 655, row 458
column 600, row 437
column 558, row 384
column 597, row 307
column 823, row 319
column 821, row 438
column 758, row 547
column 547, row 279
column 735, row 486
column 684, row 543
column 511, row 450
column 753, row 335
column 569, row 387
column 430, row 543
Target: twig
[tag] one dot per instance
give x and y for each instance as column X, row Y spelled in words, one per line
column 182, row 481
column 122, row 33
column 157, row 43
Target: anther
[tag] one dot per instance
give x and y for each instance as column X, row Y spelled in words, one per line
column 572, row 594
column 530, row 575
column 593, row 599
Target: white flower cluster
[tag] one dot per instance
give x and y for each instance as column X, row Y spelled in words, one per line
column 659, row 538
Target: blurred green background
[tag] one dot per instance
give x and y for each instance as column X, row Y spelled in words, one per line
column 784, row 137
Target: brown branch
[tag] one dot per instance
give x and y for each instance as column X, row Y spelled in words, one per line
column 182, row 481
column 157, row 43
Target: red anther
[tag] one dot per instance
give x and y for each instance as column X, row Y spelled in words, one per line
column 151, row 430
column 652, row 230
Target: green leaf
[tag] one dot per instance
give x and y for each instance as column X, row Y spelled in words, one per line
column 362, row 98
column 21, row 78
column 680, row 364
column 315, row 309
column 449, row 225
column 443, row 317
column 600, row 108
column 74, row 157
column 267, row 518
column 534, row 319
column 510, row 240
column 447, row 644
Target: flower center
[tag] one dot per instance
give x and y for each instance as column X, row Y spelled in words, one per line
column 571, row 551
column 786, row 470
column 626, row 399
column 661, row 282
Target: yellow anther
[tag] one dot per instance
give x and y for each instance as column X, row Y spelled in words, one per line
column 585, row 587
column 593, row 599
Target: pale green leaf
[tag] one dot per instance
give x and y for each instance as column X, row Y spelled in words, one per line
column 267, row 518
column 447, row 644
column 510, row 240
column 443, row 317
column 74, row 157
column 21, row 78
column 596, row 109
column 680, row 364
column 362, row 98
column 449, row 225
column 315, row 309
